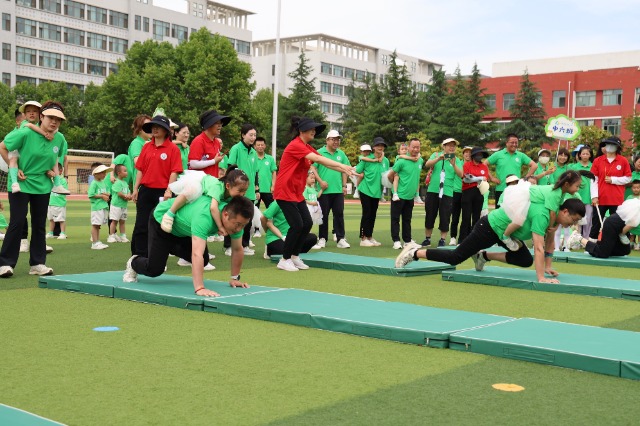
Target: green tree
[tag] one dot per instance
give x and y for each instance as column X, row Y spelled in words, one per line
column 431, row 103
column 632, row 124
column 528, row 114
column 478, row 97
column 591, row 136
column 361, row 99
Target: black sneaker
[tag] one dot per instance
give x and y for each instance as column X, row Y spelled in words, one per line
column 426, row 242
column 441, row 243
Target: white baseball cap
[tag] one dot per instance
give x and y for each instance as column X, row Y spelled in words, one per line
column 365, row 147
column 333, row 134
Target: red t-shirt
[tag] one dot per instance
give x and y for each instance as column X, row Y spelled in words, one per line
column 608, row 193
column 476, row 170
column 158, row 162
column 202, row 148
column 292, row 175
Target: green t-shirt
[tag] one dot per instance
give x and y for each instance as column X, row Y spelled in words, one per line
column 98, row 187
column 135, row 147
column 224, row 163
column 214, row 188
column 119, row 186
column 408, row 177
column 247, row 161
column 332, row 177
column 449, row 175
column 508, row 164
column 59, row 200
column 310, row 194
column 275, row 215
column 585, row 186
column 184, row 154
column 266, row 167
column 193, row 219
column 555, row 176
column 537, row 222
column 126, row 161
column 547, row 196
column 37, row 156
column 636, row 230
column 370, row 183
column 634, row 176
column 545, row 180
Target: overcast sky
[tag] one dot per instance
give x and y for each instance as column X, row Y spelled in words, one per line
column 456, row 32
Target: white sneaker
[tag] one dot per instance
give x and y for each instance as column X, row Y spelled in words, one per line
column 356, row 194
column 298, row 263
column 130, row 276
column 48, row 249
column 335, row 238
column 227, row 252
column 397, row 245
column 452, row 241
column 59, row 189
column 212, row 256
column 343, row 244
column 322, row 243
column 418, row 200
column 566, row 249
column 624, row 239
column 218, row 238
column 209, row 267
column 49, row 235
column 406, row 255
column 257, row 234
column 366, row 243
column 182, row 262
column 375, row 242
column 6, row 271
column 98, row 246
column 251, row 244
column 637, row 247
column 1, row 236
column 113, row 238
column 24, row 246
column 15, row 187
column 123, row 238
column 395, row 197
column 287, row 265
column 266, row 256
column 40, row 270
column 211, row 238
column 574, row 241
column 62, row 236
column 248, row 251
column 479, row 260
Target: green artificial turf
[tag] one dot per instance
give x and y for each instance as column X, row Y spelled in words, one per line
column 173, row 366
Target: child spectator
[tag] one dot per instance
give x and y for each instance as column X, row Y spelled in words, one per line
column 57, row 212
column 311, row 196
column 120, row 195
column 635, row 232
column 99, row 198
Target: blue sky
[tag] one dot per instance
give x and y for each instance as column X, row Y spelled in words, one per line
column 456, row 32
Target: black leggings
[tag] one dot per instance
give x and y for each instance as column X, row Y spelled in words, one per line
column 455, row 213
column 595, row 220
column 335, row 204
column 277, row 246
column 482, row 236
column 19, row 204
column 300, row 223
column 610, row 244
column 148, row 199
column 472, row 202
column 434, row 206
column 369, row 210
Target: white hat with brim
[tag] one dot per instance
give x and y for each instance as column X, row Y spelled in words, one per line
column 53, row 111
column 172, row 124
column 544, row 150
column 26, row 104
column 448, row 140
column 365, row 147
column 101, row 168
column 334, row 134
column 467, row 148
column 512, row 178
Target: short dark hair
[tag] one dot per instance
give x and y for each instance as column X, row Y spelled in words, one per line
column 118, row 168
column 18, row 113
column 636, row 182
column 240, row 205
column 574, row 205
column 260, row 138
column 512, row 135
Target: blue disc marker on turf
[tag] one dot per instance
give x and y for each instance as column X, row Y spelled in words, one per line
column 106, row 329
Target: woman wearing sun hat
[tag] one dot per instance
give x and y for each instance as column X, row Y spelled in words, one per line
column 206, row 149
column 38, row 156
column 158, row 165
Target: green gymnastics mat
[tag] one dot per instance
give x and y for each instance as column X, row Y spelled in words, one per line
column 17, row 417
column 586, row 259
column 368, row 265
column 527, row 279
column 595, row 349
column 168, row 290
column 395, row 321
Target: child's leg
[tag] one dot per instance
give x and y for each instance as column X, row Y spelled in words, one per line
column 13, row 171
column 112, row 227
column 626, row 229
column 395, row 184
column 63, row 227
column 121, row 223
column 52, row 225
column 180, row 201
column 95, row 233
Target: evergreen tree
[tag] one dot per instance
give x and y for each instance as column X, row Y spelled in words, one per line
column 528, row 115
column 478, row 97
column 431, row 103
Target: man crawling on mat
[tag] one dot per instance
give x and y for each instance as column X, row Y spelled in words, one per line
column 489, row 230
column 192, row 224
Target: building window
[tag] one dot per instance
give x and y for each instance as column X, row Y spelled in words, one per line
column 338, row 89
column 113, row 68
column 54, row 6
column 611, row 125
column 26, row 3
column 326, row 107
column 138, row 22
column 337, row 108
column 161, row 30
column 22, row 78
column 338, row 71
column 638, row 95
column 74, row 9
column 26, row 27
column 96, row 67
column 360, row 75
column 508, row 99
column 97, row 41
column 325, row 87
column 118, row 45
column 539, row 99
column 97, row 14
column 118, row 19
column 72, row 36
column 349, row 73
column 6, row 21
column 6, row 51
column 73, row 64
column 26, row 56
column 586, row 99
column 385, row 59
column 70, row 86
column 612, row 97
column 180, row 32
column 50, row 32
column 145, row 25
column 490, row 101
column 584, row 123
column 243, row 47
column 50, row 60
column 6, row 78
column 325, row 68
column 559, row 99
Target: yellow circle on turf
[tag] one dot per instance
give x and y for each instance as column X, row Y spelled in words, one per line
column 507, row 387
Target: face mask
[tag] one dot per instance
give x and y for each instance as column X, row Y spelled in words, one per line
column 610, row 148
column 543, row 160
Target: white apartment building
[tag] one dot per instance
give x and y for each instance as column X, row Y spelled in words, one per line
column 335, row 62
column 79, row 42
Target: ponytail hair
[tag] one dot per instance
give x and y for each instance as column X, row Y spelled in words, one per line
column 569, row 177
column 234, row 177
column 293, row 131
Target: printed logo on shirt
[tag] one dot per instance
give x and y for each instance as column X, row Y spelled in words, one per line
column 266, row 163
column 339, row 158
column 163, row 156
column 619, row 167
column 481, row 172
column 56, row 149
column 517, row 160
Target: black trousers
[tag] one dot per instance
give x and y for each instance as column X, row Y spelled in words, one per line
column 610, row 244
column 265, row 197
column 434, row 206
column 456, row 208
column 369, row 210
column 148, row 199
column 472, row 202
column 595, row 220
column 334, row 203
column 277, row 246
column 482, row 236
column 160, row 245
column 401, row 209
column 19, row 204
column 300, row 223
column 497, row 195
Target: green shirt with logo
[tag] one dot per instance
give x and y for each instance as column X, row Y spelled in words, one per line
column 59, row 200
column 546, row 179
column 370, row 183
column 332, row 177
column 309, row 194
column 449, row 175
column 247, row 160
column 98, row 187
column 537, row 222
column 266, row 167
column 408, row 177
column 508, row 164
column 119, row 186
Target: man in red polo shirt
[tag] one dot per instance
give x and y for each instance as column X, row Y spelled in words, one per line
column 205, row 151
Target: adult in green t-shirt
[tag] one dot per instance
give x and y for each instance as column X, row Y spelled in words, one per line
column 408, row 172
column 266, row 172
column 584, row 156
column 489, row 230
column 140, row 137
column 371, row 191
column 192, row 224
column 509, row 161
column 38, row 156
column 276, row 226
column 439, row 200
column 181, row 139
column 334, row 186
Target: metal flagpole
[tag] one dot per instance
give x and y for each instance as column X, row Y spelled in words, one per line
column 276, row 88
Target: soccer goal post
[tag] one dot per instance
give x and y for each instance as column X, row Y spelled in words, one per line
column 80, row 163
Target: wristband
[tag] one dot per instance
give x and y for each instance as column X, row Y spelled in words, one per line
column 235, row 277
column 201, row 288
column 548, row 254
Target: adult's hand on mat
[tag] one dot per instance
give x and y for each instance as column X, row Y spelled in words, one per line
column 236, row 283
column 549, row 281
column 552, row 272
column 205, row 292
